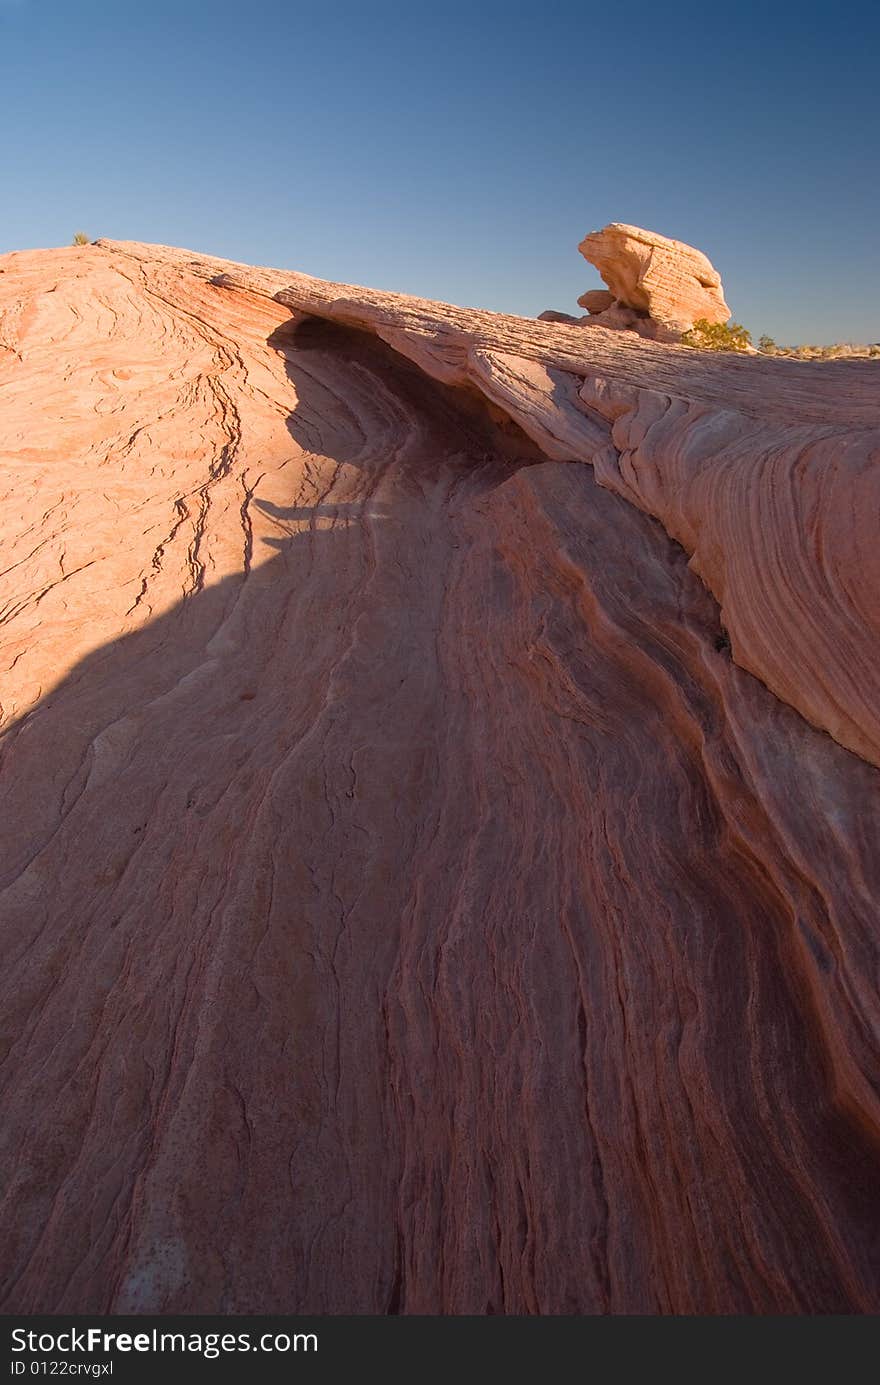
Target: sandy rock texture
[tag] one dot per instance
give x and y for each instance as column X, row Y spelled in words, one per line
column 438, row 847
column 657, row 286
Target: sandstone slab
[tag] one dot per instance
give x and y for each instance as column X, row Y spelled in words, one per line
column 439, row 782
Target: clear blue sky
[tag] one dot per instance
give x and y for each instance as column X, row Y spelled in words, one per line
column 460, row 151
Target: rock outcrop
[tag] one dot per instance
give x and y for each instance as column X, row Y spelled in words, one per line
column 440, row 801
column 597, row 301
column 656, row 286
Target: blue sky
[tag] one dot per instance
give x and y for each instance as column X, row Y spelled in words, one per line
column 460, row 151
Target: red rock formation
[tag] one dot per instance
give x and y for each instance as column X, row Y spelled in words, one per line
column 431, row 881
column 669, row 283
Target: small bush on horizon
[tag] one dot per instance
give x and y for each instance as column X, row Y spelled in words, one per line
column 767, row 345
column 717, row 336
column 80, row 238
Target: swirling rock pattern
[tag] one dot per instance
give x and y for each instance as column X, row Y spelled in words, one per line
column 440, row 799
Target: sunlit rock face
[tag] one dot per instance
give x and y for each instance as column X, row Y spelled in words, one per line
column 439, row 782
column 657, row 286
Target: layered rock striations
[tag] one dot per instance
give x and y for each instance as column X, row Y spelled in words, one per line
column 440, row 778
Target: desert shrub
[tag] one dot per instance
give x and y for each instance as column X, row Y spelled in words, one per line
column 767, row 345
column 839, row 351
column 80, row 238
column 717, row 336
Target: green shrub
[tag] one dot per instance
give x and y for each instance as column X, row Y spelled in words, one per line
column 80, row 238
column 767, row 345
column 717, row 336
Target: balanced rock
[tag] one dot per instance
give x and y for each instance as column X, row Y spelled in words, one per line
column 671, row 283
column 597, row 300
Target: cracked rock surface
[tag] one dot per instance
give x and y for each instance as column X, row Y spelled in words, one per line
column 439, row 815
